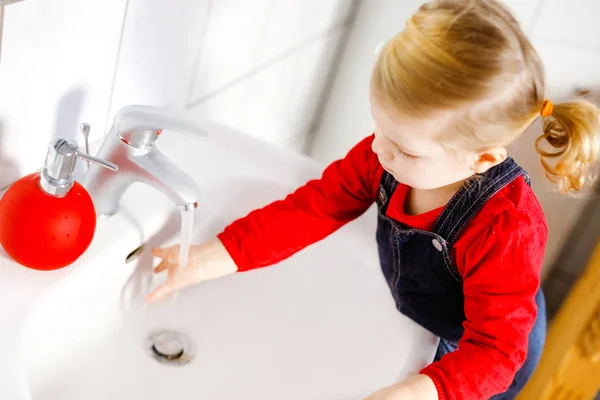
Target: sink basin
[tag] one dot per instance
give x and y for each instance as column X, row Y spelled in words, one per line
column 319, row 325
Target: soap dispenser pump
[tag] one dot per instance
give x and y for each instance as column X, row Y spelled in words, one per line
column 47, row 219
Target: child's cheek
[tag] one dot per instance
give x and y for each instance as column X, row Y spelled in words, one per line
column 409, row 173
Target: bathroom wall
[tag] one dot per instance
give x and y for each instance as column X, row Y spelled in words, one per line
column 259, row 66
column 567, row 38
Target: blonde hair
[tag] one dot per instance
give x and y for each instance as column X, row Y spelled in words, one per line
column 471, row 57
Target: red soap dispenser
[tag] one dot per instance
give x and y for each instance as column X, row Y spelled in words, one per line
column 47, row 219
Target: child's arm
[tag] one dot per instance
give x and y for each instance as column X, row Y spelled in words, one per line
column 501, row 277
column 270, row 234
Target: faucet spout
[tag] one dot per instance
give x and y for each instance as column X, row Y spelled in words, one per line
column 166, row 177
column 130, row 144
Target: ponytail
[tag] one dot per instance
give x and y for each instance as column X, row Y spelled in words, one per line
column 570, row 145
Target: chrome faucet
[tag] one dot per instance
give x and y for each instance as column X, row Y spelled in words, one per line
column 130, row 144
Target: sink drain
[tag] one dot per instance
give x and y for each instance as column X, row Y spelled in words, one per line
column 170, row 347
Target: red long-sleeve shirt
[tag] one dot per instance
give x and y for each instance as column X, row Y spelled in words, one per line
column 498, row 254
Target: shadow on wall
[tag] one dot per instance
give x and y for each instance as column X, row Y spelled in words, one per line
column 9, row 170
column 68, row 121
column 68, row 115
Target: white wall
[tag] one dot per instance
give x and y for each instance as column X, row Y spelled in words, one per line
column 567, row 36
column 282, row 69
column 258, row 66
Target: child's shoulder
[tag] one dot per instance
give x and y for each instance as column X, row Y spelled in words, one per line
column 516, row 203
column 510, row 223
column 519, row 196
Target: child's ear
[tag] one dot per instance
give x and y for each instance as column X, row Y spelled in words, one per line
column 488, row 159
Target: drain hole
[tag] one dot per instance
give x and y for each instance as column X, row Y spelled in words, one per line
column 167, row 356
column 170, row 347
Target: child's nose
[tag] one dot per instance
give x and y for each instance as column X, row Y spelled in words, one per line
column 381, row 151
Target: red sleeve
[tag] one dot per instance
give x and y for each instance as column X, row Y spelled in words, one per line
column 270, row 234
column 501, row 275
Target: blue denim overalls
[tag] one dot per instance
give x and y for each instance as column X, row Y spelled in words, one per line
column 421, row 274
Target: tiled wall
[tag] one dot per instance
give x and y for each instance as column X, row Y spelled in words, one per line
column 258, row 66
column 567, row 37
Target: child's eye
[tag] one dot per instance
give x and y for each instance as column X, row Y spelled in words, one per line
column 403, row 154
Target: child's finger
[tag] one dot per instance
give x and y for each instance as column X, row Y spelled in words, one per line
column 160, row 253
column 161, row 267
column 172, row 272
column 166, row 252
column 160, row 292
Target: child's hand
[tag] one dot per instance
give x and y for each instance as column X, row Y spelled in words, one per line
column 416, row 387
column 206, row 261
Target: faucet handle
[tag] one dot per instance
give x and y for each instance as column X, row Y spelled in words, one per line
column 95, row 160
column 140, row 125
column 85, row 132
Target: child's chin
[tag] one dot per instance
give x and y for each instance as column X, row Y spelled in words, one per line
column 414, row 183
column 408, row 183
column 405, row 180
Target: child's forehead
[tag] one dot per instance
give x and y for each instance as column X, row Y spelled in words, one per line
column 421, row 131
column 430, row 121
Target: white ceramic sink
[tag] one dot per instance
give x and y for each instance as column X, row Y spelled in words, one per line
column 320, row 325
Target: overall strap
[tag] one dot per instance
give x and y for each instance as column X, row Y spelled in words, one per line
column 472, row 196
column 388, row 182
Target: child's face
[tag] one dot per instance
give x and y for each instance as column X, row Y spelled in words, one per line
column 409, row 149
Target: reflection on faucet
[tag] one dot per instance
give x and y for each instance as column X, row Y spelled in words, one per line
column 9, row 170
column 131, row 145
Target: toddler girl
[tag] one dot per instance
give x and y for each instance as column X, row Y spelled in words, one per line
column 460, row 233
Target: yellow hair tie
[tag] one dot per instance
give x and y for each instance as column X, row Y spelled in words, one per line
column 547, row 108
